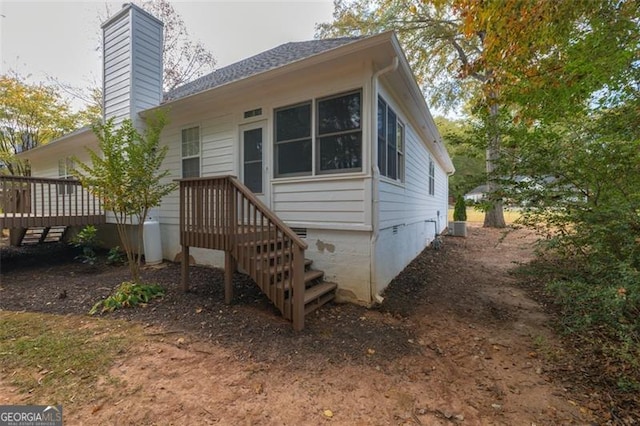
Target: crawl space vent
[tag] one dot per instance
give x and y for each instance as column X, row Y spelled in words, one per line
column 300, row 232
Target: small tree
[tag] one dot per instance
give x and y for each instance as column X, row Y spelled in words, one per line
column 460, row 210
column 127, row 178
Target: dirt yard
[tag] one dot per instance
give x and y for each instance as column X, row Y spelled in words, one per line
column 456, row 341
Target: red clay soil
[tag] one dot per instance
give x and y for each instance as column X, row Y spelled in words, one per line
column 456, row 341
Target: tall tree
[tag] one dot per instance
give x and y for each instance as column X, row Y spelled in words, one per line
column 472, row 51
column 30, row 115
column 467, row 156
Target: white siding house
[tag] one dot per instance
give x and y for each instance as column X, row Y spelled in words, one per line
column 334, row 136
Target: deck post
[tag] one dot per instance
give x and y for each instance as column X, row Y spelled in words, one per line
column 16, row 235
column 230, row 266
column 298, row 289
column 184, row 279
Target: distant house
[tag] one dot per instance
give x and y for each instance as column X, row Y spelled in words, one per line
column 333, row 137
column 476, row 194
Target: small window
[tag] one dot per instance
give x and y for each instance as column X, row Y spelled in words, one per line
column 340, row 134
column 191, row 152
column 65, row 169
column 391, row 142
column 432, row 177
column 293, row 145
column 253, row 113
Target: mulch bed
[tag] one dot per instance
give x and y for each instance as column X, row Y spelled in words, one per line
column 46, row 279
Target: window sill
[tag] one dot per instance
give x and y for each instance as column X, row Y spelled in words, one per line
column 394, row 182
column 323, row 177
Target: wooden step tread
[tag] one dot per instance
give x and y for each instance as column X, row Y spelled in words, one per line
column 318, row 290
column 312, row 274
column 274, row 269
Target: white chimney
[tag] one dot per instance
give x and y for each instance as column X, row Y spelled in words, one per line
column 132, row 65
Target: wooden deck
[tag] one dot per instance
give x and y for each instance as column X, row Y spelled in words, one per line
column 40, row 202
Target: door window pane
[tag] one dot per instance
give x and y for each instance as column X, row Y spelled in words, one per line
column 253, row 176
column 252, row 171
column 253, row 145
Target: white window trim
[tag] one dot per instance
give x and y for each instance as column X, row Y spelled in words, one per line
column 399, row 180
column 199, row 155
column 315, row 173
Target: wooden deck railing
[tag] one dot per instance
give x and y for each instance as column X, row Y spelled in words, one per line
column 43, row 202
column 221, row 213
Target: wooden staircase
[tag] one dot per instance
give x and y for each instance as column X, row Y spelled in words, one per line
column 269, row 263
column 221, row 213
column 35, row 235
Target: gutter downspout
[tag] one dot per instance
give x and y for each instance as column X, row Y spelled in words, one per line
column 375, row 217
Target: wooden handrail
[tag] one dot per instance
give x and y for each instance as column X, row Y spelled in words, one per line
column 221, row 213
column 27, row 201
column 266, row 211
column 284, row 228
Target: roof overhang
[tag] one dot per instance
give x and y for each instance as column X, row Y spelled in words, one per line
column 65, row 145
column 379, row 50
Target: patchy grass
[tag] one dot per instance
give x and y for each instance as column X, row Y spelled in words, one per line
column 473, row 215
column 55, row 359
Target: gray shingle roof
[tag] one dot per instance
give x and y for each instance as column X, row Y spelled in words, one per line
column 277, row 57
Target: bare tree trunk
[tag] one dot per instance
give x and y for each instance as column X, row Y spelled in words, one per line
column 494, row 217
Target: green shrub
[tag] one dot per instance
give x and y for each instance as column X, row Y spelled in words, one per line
column 605, row 314
column 460, row 210
column 87, row 241
column 128, row 295
column 116, row 256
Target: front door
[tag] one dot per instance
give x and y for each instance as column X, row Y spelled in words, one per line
column 253, row 170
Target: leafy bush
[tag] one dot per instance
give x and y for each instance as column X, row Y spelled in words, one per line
column 115, row 256
column 128, row 295
column 460, row 210
column 605, row 315
column 87, row 241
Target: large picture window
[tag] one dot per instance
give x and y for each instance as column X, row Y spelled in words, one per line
column 335, row 136
column 390, row 142
column 191, row 152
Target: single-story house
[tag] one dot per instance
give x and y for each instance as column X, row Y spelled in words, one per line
column 477, row 194
column 333, row 137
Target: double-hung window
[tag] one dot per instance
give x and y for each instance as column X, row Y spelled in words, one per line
column 334, row 138
column 293, row 144
column 191, row 152
column 65, row 168
column 340, row 133
column 390, row 142
column 432, row 177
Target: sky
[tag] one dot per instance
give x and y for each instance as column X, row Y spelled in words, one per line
column 58, row 40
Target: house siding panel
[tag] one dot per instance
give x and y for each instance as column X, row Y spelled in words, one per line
column 408, row 215
column 335, row 203
column 132, row 65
